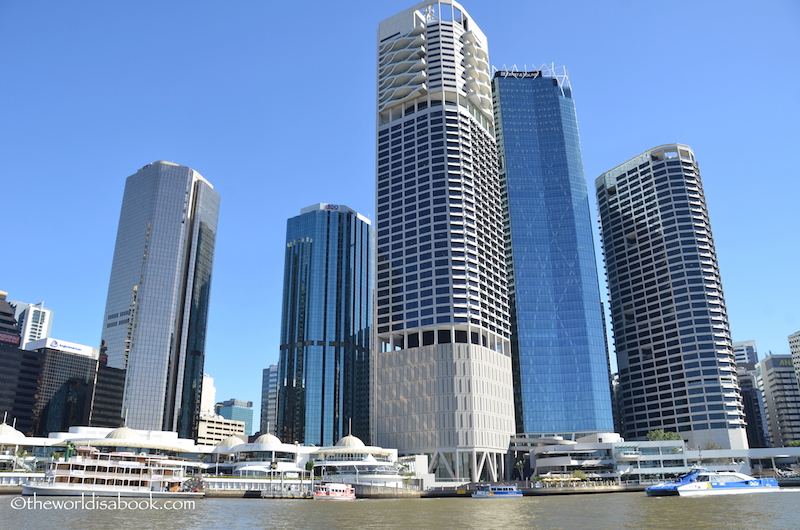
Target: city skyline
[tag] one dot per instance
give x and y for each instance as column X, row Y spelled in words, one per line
column 248, row 144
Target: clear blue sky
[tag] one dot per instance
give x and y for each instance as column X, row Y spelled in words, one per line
column 274, row 103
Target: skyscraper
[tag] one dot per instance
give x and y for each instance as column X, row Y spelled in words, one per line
column 558, row 345
column 777, row 381
column 158, row 294
column 676, row 366
column 443, row 365
column 324, row 366
column 269, row 400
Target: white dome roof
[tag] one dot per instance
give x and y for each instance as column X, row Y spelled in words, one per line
column 267, row 439
column 350, row 441
column 230, row 441
column 124, row 433
column 8, row 430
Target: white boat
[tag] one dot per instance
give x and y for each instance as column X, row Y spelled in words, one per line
column 91, row 472
column 496, row 491
column 332, row 491
column 702, row 482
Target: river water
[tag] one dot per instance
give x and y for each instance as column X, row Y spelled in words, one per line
column 762, row 511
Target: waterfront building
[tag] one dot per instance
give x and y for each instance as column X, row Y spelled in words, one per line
column 777, row 380
column 745, row 352
column 794, row 348
column 236, row 409
column 753, row 401
column 558, row 344
column 676, row 366
column 155, row 318
column 34, row 320
column 9, row 331
column 269, row 400
column 443, row 367
column 325, row 349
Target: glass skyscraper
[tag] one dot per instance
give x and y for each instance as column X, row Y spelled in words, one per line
column 561, row 372
column 158, row 295
column 324, row 365
column 443, row 366
column 677, row 370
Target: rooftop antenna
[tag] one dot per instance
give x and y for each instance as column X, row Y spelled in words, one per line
column 5, row 415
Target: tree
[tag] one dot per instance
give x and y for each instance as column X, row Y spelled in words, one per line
column 795, row 443
column 580, row 475
column 661, row 434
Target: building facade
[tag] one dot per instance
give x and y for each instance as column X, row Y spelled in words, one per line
column 794, row 349
column 777, row 381
column 9, row 331
column 443, row 359
column 558, row 344
column 677, row 371
column 34, row 320
column 158, row 295
column 745, row 352
column 754, row 412
column 325, row 351
column 239, row 410
column 269, row 400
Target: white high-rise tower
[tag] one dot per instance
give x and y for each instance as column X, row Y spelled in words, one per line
column 443, row 367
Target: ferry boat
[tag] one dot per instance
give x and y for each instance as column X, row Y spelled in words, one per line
column 90, row 472
column 496, row 491
column 705, row 482
column 334, row 492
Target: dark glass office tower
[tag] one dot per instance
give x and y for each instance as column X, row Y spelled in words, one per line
column 158, row 294
column 561, row 375
column 324, row 366
column 677, row 370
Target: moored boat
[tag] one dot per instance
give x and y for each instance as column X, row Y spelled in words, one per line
column 91, row 472
column 332, row 491
column 496, row 491
column 705, row 482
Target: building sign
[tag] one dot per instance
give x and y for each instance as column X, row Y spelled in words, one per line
column 334, row 207
column 62, row 345
column 10, row 339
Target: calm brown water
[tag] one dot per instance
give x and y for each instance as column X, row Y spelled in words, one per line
column 599, row 511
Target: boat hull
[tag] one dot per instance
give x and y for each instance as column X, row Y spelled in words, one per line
column 68, row 491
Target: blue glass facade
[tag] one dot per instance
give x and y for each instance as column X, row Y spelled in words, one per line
column 323, row 372
column 561, row 373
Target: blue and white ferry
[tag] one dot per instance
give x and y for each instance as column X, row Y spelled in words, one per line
column 705, row 482
column 496, row 491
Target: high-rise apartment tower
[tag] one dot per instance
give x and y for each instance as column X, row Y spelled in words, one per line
column 443, row 365
column 325, row 352
column 558, row 344
column 676, row 365
column 158, row 294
